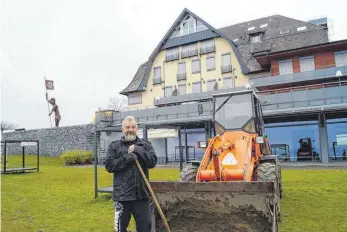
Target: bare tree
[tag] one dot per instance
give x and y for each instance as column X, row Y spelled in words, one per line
column 117, row 103
column 7, row 126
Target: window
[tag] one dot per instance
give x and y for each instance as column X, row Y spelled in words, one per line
column 168, row 91
column 157, row 75
column 182, row 89
column 195, row 66
column 255, row 39
column 227, row 82
column 210, row 85
column 197, row 87
column 341, row 58
column 286, row 67
column 284, row 31
column 226, row 63
column 135, row 99
column 188, row 26
column 263, row 25
column 307, row 64
column 200, row 26
column 210, row 63
column 207, row 46
column 172, row 54
column 181, row 72
column 189, row 50
column 301, row 28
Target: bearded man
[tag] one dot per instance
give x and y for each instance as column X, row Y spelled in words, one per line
column 130, row 193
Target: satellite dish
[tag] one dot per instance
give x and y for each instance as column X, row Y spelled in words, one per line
column 157, row 98
column 338, row 73
column 248, row 86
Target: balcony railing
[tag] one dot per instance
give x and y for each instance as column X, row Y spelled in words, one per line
column 157, row 81
column 189, row 53
column 289, row 101
column 172, row 57
column 226, row 68
column 319, row 95
column 181, row 76
column 208, row 49
column 320, row 73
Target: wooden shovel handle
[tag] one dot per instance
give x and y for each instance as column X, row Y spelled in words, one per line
column 153, row 196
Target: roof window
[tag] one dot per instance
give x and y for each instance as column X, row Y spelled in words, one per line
column 301, row 28
column 251, row 28
column 284, row 31
column 263, row 25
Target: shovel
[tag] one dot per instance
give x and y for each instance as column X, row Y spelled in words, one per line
column 152, row 194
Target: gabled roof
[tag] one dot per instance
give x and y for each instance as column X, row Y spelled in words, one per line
column 238, row 36
column 142, row 86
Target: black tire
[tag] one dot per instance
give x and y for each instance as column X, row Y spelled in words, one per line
column 188, row 173
column 270, row 172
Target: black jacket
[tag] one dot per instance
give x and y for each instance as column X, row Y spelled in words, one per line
column 128, row 184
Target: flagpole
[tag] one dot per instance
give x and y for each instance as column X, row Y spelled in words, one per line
column 50, row 119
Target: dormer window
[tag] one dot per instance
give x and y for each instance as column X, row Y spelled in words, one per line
column 301, row 28
column 256, row 38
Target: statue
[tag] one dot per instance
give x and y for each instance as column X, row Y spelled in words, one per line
column 55, row 109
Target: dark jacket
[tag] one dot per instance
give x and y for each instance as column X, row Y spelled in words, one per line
column 128, row 184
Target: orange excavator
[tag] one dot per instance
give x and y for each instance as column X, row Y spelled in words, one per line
column 237, row 186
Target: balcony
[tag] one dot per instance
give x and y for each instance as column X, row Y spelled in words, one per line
column 208, row 49
column 226, row 68
column 191, row 97
column 171, row 57
column 181, row 76
column 311, row 98
column 189, row 53
column 184, row 113
column 292, row 101
column 319, row 74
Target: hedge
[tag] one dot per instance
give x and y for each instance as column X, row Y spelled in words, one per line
column 77, row 157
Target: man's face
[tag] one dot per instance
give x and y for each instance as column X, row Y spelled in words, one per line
column 130, row 130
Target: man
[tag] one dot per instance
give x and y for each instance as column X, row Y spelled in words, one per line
column 130, row 192
column 55, row 109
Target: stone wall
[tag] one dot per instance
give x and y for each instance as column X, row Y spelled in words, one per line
column 53, row 141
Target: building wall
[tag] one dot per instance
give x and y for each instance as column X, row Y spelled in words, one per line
column 53, row 141
column 169, row 72
column 324, row 60
column 321, row 60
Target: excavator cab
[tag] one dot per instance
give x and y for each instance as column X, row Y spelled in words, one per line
column 237, row 185
column 237, row 111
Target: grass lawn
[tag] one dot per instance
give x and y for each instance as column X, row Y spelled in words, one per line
column 61, row 198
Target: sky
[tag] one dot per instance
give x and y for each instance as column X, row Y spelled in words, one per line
column 92, row 49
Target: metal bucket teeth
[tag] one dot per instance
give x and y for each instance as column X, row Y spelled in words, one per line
column 216, row 206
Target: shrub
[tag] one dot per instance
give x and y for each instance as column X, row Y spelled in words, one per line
column 77, row 157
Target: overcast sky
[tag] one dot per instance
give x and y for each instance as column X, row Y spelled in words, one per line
column 91, row 49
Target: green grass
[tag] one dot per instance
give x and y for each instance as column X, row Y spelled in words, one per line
column 61, row 198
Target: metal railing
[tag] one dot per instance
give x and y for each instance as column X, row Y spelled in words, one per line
column 226, row 68
column 157, row 80
column 310, row 95
column 181, row 76
column 320, row 72
column 207, row 49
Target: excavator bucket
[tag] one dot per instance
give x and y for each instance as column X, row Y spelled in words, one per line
column 216, row 206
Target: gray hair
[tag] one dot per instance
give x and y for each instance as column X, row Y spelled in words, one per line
column 129, row 119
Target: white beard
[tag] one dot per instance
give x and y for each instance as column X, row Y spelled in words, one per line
column 130, row 137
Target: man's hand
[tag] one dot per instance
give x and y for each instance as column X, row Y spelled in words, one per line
column 131, row 149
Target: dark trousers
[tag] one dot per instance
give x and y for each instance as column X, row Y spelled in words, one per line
column 141, row 210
